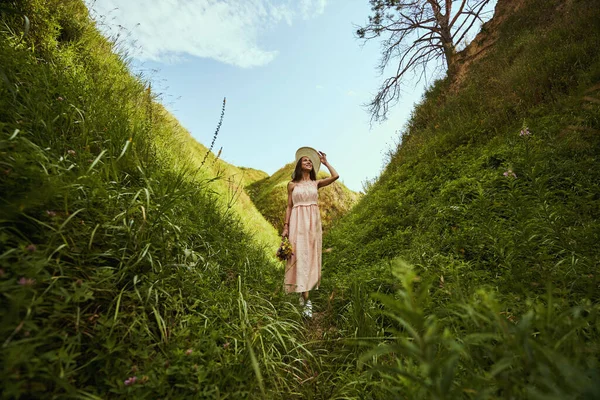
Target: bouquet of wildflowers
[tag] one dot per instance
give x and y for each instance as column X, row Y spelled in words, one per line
column 285, row 251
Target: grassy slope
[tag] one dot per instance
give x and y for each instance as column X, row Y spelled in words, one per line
column 270, row 196
column 252, row 175
column 117, row 259
column 227, row 181
column 496, row 255
column 444, row 193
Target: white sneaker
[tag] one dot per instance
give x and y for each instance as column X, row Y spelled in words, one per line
column 308, row 310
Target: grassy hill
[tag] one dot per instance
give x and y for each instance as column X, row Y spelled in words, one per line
column 120, row 255
column 270, row 197
column 229, row 183
column 488, row 219
column 252, row 175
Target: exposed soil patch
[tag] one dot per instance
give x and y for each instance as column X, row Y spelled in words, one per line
column 485, row 39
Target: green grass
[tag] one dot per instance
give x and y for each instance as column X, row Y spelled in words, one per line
column 228, row 183
column 121, row 256
column 513, row 260
column 252, row 175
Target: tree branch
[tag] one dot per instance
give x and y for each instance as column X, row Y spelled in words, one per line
column 458, row 14
column 415, row 33
column 475, row 17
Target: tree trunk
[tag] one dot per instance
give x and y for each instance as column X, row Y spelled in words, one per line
column 450, row 56
column 443, row 21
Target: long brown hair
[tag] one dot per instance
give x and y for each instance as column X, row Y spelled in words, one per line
column 297, row 175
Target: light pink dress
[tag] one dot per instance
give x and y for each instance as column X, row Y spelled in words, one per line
column 303, row 269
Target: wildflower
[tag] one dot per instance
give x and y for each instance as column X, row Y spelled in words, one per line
column 51, row 213
column 130, row 381
column 226, row 345
column 31, row 248
column 71, row 152
column 510, row 173
column 509, row 316
column 26, row 281
column 218, row 154
column 59, row 98
column 285, row 251
column 525, row 132
column 188, row 352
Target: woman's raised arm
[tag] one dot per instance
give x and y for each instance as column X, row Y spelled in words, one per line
column 334, row 175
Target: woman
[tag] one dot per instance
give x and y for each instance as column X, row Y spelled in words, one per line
column 303, row 224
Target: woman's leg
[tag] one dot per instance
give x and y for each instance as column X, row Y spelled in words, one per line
column 307, row 305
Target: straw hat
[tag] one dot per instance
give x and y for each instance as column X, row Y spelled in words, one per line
column 310, row 153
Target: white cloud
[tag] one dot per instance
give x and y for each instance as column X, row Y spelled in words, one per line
column 224, row 30
column 312, row 8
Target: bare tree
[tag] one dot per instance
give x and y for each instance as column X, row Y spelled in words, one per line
column 415, row 33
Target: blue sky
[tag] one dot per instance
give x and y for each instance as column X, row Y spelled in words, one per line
column 292, row 71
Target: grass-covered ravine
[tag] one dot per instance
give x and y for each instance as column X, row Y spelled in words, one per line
column 131, row 268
